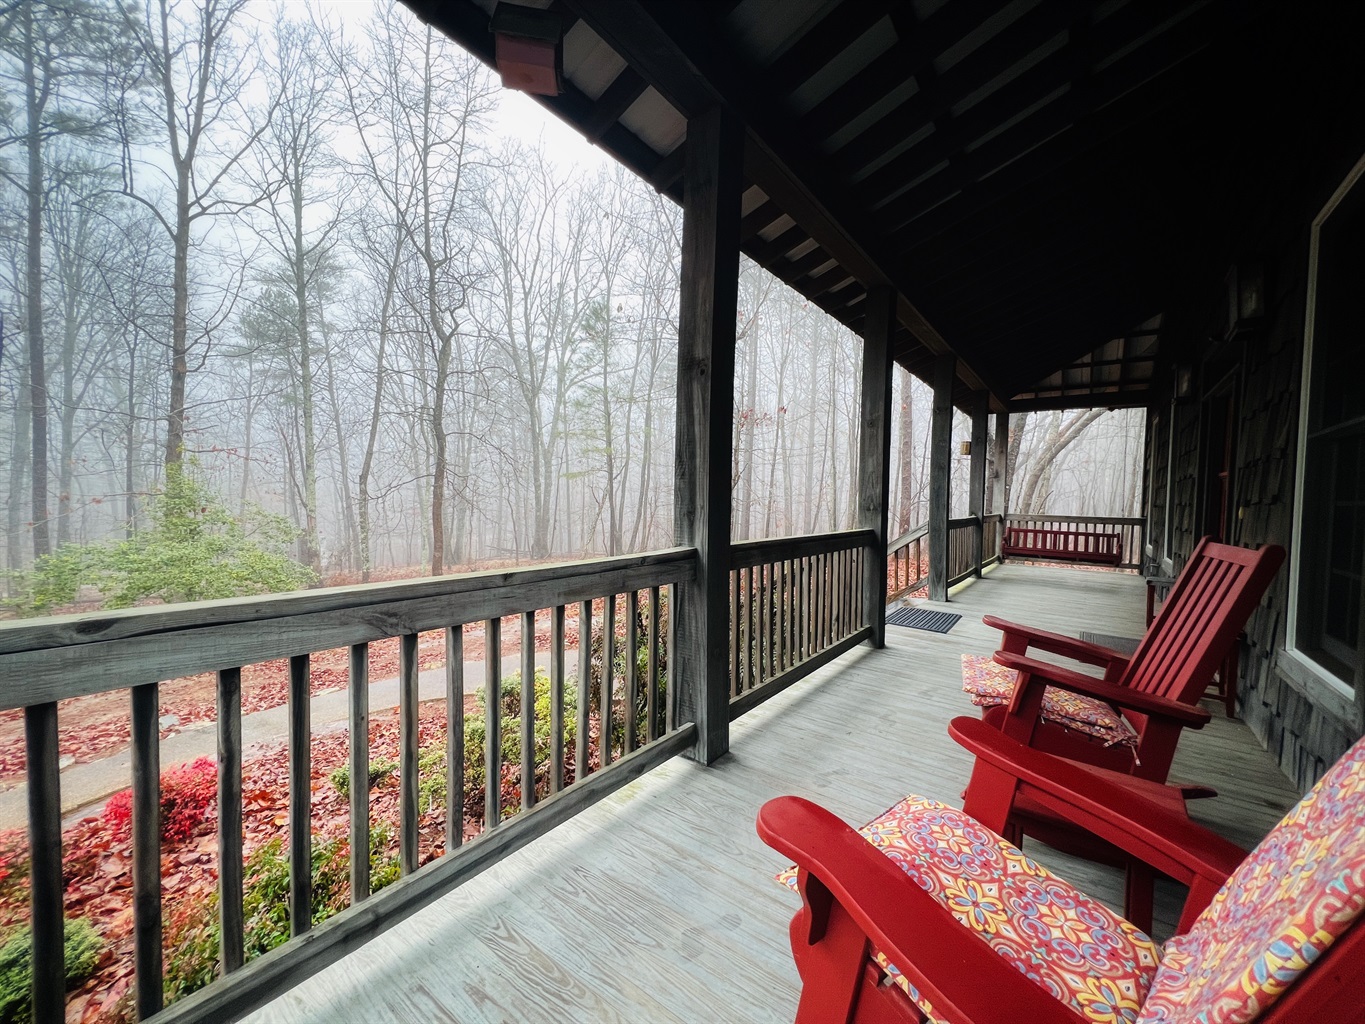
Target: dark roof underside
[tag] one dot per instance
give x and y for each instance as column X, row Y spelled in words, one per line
column 1036, row 178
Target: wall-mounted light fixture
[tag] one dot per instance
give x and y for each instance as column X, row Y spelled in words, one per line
column 1184, row 381
column 965, row 447
column 529, row 48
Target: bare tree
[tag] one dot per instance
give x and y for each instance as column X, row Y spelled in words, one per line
column 200, row 71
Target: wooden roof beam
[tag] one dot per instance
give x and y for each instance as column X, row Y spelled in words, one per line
column 686, row 60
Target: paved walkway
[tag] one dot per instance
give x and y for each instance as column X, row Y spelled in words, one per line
column 88, row 783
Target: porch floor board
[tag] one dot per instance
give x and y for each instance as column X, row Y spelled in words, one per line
column 658, row 904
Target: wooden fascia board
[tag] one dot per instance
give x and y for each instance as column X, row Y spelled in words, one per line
column 667, row 47
column 1109, row 400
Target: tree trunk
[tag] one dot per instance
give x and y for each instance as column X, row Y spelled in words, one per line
column 907, row 435
column 35, row 103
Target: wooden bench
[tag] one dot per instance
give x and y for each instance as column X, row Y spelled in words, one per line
column 1063, row 545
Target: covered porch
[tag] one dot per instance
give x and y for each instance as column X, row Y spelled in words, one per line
column 658, row 904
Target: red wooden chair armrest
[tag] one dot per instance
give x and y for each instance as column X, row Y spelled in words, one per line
column 1120, row 814
column 1033, row 672
column 1114, row 662
column 960, row 976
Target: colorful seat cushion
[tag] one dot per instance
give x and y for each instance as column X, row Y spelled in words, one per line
column 1297, row 892
column 990, row 684
column 1073, row 946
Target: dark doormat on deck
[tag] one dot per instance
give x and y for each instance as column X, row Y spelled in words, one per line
column 1123, row 644
column 923, row 618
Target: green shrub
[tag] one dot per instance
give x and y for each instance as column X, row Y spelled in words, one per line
column 380, row 769
column 195, row 549
column 80, row 953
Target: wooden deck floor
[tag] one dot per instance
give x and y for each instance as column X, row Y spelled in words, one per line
column 658, row 904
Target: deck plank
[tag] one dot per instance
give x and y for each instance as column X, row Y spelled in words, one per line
column 658, row 904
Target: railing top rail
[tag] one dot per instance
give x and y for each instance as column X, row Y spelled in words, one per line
column 915, row 534
column 76, row 655
column 747, row 553
column 1016, row 517
column 123, row 623
column 962, row 523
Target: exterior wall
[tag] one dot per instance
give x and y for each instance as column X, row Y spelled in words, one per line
column 1303, row 726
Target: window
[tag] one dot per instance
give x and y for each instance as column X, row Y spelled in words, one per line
column 1330, row 563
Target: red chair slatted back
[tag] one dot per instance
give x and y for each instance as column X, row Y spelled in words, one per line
column 1207, row 608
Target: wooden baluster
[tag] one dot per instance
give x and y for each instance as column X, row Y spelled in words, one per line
column 407, row 753
column 492, row 690
column 146, row 754
column 580, row 755
column 632, row 669
column 300, row 799
column 358, row 742
column 745, row 641
column 231, row 933
column 735, row 634
column 608, row 672
column 652, row 670
column 763, row 645
column 528, row 710
column 48, row 984
column 670, row 664
column 557, row 699
column 783, row 618
column 454, row 737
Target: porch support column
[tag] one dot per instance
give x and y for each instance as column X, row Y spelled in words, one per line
column 874, row 455
column 1002, row 458
column 940, row 439
column 976, row 499
column 706, row 382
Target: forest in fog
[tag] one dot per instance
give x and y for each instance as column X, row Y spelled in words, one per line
column 282, row 253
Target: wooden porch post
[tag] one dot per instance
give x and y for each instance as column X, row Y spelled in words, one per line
column 874, row 456
column 706, row 372
column 940, row 439
column 1002, row 458
column 977, row 479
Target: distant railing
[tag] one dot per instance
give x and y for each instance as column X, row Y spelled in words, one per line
column 1130, row 531
column 961, row 556
column 795, row 604
column 907, row 562
column 992, row 533
column 49, row 661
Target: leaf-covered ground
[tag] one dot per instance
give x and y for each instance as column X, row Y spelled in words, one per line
column 98, row 861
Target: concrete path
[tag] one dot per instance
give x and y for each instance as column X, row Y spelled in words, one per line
column 89, row 783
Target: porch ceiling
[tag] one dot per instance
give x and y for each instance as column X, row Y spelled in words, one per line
column 1034, row 177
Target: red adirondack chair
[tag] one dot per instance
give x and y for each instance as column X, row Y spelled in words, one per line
column 1130, row 721
column 1156, row 691
column 929, row 915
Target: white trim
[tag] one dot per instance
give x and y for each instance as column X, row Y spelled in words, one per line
column 1308, row 672
column 1305, row 395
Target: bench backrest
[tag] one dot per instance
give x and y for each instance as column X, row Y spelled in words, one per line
column 1208, row 607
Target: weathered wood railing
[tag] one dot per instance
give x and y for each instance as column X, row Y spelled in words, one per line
column 1130, row 531
column 992, row 533
column 961, row 557
column 45, row 662
column 907, row 559
column 795, row 604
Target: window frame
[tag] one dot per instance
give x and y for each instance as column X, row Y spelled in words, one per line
column 1303, row 661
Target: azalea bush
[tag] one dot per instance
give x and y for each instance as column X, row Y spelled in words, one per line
column 187, row 792
column 80, row 953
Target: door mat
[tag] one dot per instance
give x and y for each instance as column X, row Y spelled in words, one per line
column 923, row 618
column 1123, row 644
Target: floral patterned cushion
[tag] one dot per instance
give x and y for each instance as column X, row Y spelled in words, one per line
column 1297, row 892
column 990, row 684
column 1071, row 945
